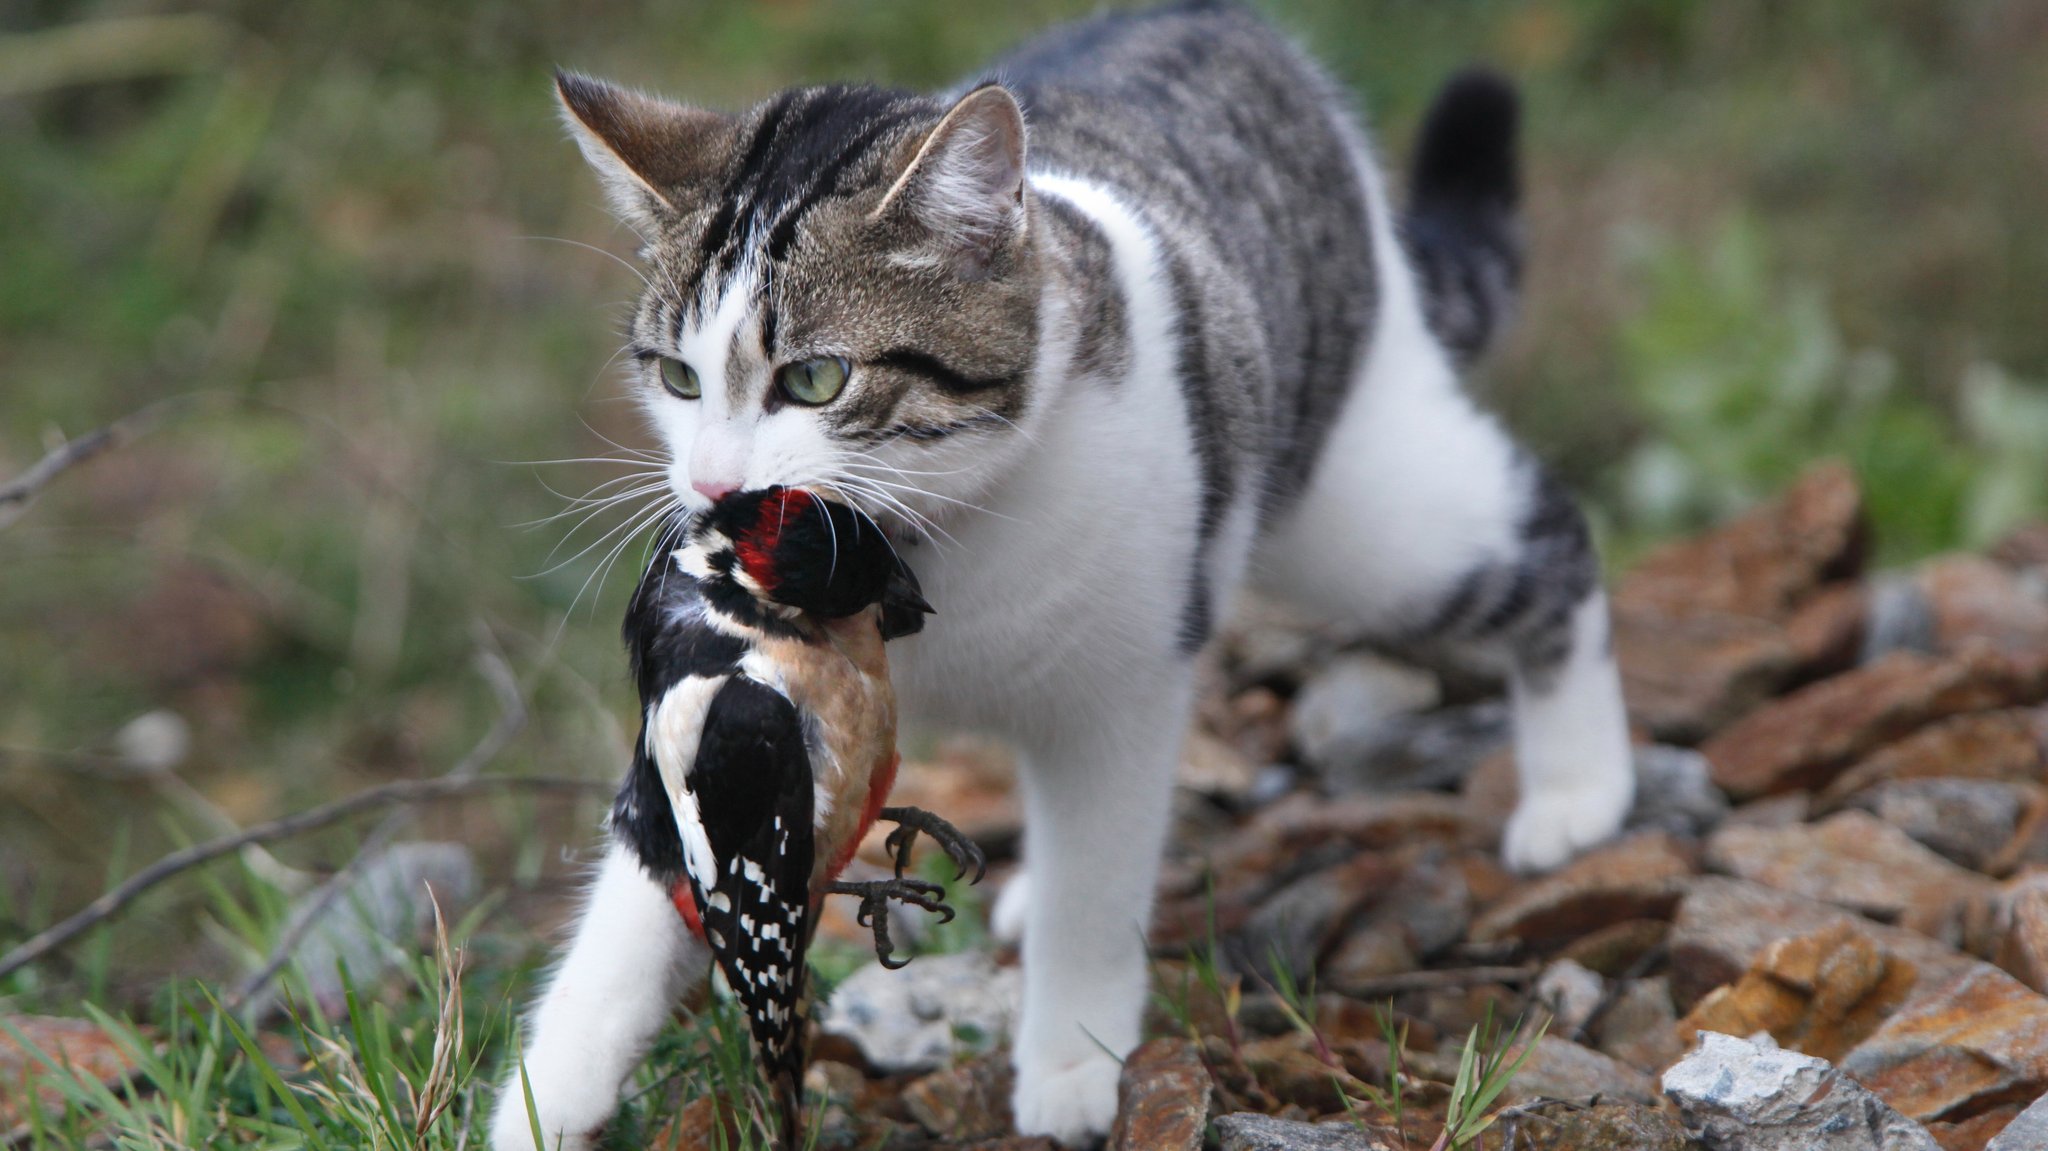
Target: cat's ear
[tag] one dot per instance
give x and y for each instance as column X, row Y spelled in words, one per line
column 655, row 157
column 964, row 187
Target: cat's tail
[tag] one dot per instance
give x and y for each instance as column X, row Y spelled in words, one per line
column 1462, row 228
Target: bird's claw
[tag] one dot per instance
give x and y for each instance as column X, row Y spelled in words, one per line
column 874, row 908
column 964, row 853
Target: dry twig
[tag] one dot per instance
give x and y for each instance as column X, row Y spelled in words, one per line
column 17, row 493
column 313, row 819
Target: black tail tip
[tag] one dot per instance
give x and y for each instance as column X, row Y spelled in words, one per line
column 1468, row 147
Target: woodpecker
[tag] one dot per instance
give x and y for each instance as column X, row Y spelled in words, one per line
column 768, row 743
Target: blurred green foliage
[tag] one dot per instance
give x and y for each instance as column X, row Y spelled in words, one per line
column 1760, row 232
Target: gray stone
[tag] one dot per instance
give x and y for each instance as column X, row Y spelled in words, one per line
column 921, row 1016
column 1249, row 1131
column 1346, row 715
column 1674, row 792
column 1571, row 992
column 1901, row 618
column 1966, row 820
column 369, row 926
column 1736, row 1095
column 2029, row 1132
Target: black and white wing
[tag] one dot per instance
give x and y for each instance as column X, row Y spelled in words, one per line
column 744, row 812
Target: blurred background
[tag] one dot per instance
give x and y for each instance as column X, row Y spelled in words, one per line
column 353, row 233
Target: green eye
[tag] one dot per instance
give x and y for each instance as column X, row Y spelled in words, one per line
column 813, row 381
column 680, row 378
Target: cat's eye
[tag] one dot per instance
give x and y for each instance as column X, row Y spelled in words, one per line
column 680, row 379
column 813, row 381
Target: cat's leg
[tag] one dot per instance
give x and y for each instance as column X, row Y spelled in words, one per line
column 1098, row 794
column 630, row 960
column 1425, row 524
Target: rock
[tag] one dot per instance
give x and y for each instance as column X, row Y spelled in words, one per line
column 1976, row 600
column 83, row 1046
column 1674, row 792
column 2009, row 745
column 1820, row 993
column 1977, row 1037
column 1162, row 1100
column 1736, row 1095
column 1342, row 712
column 913, row 1019
column 1607, row 1127
column 1808, row 737
column 1722, row 924
column 1700, row 625
column 1570, row 993
column 1967, row 821
column 964, row 1103
column 2024, row 547
column 1640, row 1027
column 1973, row 1133
column 1367, row 954
column 1435, row 749
column 1214, row 767
column 1787, row 810
column 2020, row 944
column 154, row 742
column 1266, row 641
column 1764, row 563
column 1854, row 860
column 1253, row 721
column 1613, row 951
column 1898, row 618
column 1826, row 633
column 385, row 901
column 1560, row 1069
column 1249, row 1131
column 1297, row 925
column 2027, row 1132
column 1641, row 877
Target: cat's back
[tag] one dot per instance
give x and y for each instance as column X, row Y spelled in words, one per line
column 1241, row 156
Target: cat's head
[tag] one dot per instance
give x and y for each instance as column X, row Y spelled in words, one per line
column 843, row 288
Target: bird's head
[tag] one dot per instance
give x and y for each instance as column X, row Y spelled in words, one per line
column 795, row 548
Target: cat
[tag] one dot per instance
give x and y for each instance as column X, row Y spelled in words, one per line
column 1104, row 337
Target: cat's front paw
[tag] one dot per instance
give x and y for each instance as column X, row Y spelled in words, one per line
column 1074, row 1105
column 512, row 1128
column 1550, row 827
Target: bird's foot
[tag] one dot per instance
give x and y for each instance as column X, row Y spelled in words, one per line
column 874, row 908
column 966, row 856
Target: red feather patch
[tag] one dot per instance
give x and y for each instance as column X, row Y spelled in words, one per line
column 756, row 547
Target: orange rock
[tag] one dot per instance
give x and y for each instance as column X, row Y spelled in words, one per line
column 1162, row 1102
column 1978, row 600
column 1641, row 877
column 82, row 1045
column 1855, row 860
column 1819, row 993
column 1708, row 628
column 1959, row 1044
column 2004, row 745
column 1805, row 739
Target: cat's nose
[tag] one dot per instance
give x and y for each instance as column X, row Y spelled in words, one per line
column 712, row 490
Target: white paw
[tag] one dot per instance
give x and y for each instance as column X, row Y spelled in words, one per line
column 1006, row 921
column 512, row 1128
column 1075, row 1105
column 1549, row 828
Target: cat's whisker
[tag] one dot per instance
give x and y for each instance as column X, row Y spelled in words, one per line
column 637, row 524
column 586, row 550
column 593, row 506
column 612, row 256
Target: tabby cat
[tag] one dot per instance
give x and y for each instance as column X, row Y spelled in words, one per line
column 1104, row 337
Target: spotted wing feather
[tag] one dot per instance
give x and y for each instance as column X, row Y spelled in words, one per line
column 752, row 784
